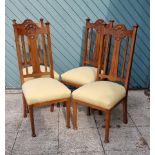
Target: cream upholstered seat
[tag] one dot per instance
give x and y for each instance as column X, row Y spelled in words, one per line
column 44, row 89
column 42, row 68
column 104, row 94
column 80, row 75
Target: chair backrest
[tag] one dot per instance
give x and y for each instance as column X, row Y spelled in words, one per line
column 119, row 62
column 33, row 45
column 92, row 40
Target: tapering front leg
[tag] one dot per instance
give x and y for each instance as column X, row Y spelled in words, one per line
column 24, row 106
column 74, row 114
column 68, row 113
column 125, row 111
column 32, row 121
column 107, row 126
column 52, row 108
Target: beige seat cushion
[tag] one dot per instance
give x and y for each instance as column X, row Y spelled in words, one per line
column 44, row 89
column 103, row 94
column 42, row 68
column 80, row 75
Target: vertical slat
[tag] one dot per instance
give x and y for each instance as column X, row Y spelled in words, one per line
column 50, row 50
column 24, row 53
column 100, row 55
column 43, row 46
column 124, row 56
column 106, row 56
column 96, row 49
column 115, row 59
column 39, row 50
column 29, row 48
column 90, row 43
column 85, row 43
column 34, row 55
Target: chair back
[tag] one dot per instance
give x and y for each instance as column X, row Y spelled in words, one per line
column 92, row 40
column 33, row 45
column 121, row 52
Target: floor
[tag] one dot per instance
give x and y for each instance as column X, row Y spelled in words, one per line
column 54, row 138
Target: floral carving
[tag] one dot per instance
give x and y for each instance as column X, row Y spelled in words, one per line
column 119, row 32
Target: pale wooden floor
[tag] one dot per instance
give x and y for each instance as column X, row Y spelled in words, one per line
column 54, row 138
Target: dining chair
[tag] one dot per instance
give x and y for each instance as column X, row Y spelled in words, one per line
column 26, row 66
column 43, row 89
column 87, row 72
column 112, row 85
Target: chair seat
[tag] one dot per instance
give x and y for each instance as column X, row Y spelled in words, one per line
column 44, row 89
column 103, row 94
column 81, row 75
column 42, row 68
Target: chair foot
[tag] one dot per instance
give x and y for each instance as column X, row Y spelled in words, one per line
column 106, row 141
column 68, row 126
column 33, row 135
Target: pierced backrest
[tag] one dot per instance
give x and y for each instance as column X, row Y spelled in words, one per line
column 119, row 62
column 92, row 40
column 33, row 45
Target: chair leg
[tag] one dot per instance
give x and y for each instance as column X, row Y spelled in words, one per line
column 99, row 112
column 74, row 114
column 68, row 113
column 125, row 111
column 32, row 121
column 24, row 107
column 52, row 108
column 88, row 111
column 107, row 126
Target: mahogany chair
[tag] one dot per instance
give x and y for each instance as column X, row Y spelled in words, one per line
column 26, row 67
column 43, row 89
column 106, row 95
column 88, row 71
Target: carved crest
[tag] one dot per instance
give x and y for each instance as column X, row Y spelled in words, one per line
column 31, row 29
column 119, row 32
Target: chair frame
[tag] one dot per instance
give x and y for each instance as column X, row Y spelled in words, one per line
column 32, row 30
column 119, row 32
column 86, row 53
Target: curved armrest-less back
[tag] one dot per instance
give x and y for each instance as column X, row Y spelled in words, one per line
column 33, row 45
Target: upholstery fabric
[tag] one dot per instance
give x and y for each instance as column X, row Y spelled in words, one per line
column 80, row 75
column 44, row 89
column 42, row 68
column 104, row 94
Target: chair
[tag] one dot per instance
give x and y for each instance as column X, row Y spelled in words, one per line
column 26, row 66
column 43, row 89
column 106, row 95
column 87, row 72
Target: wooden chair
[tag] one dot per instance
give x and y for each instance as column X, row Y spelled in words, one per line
column 88, row 71
column 26, row 67
column 106, row 95
column 43, row 89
